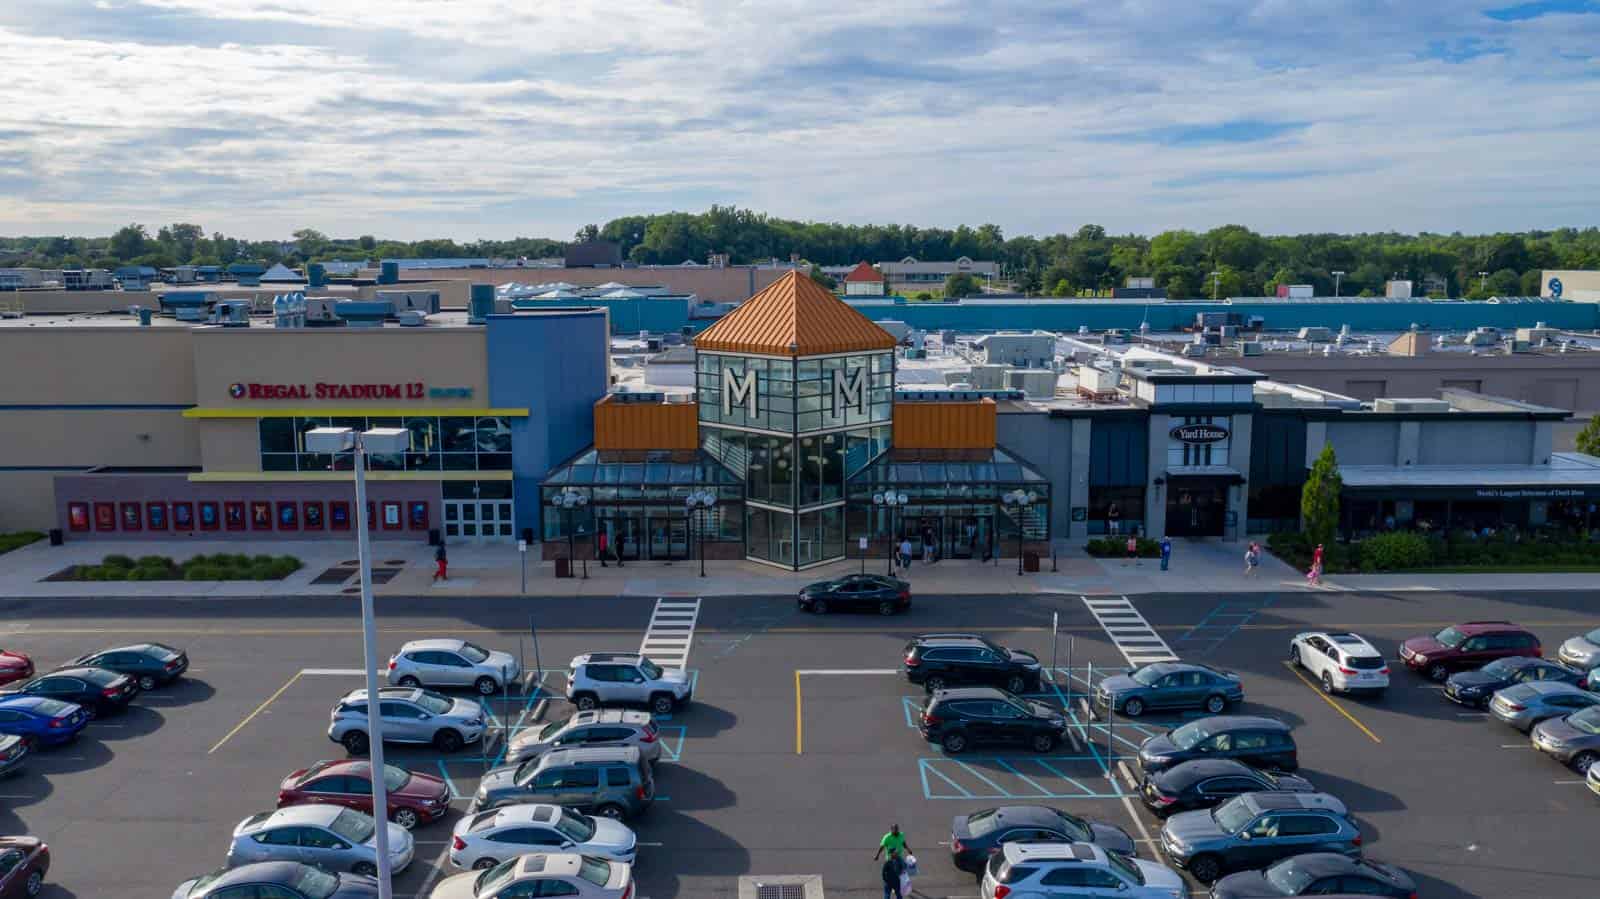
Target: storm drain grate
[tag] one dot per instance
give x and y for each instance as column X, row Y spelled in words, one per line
column 780, row 891
column 787, row 886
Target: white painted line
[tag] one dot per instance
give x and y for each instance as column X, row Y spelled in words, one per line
column 1072, row 734
column 1570, row 781
column 1130, row 633
column 439, row 864
column 1127, row 775
column 336, row 672
column 670, row 648
column 849, row 671
column 1516, row 745
column 1472, row 714
column 650, row 844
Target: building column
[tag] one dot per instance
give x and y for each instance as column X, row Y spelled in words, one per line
column 1316, row 436
column 1078, row 478
column 1241, row 429
column 1155, row 501
column 1410, row 443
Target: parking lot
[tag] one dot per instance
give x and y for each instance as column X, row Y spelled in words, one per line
column 799, row 749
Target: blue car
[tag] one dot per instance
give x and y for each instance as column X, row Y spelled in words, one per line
column 42, row 720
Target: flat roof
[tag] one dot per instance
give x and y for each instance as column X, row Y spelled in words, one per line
column 449, row 318
column 1564, row 470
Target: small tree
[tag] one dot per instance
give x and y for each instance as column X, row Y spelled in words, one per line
column 1589, row 438
column 961, row 284
column 823, row 278
column 1319, row 498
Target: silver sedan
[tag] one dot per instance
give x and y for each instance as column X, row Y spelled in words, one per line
column 327, row 836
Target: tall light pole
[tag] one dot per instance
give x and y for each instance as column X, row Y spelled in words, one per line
column 697, row 503
column 1018, row 501
column 889, row 499
column 1483, row 280
column 569, row 501
column 361, row 444
column 1336, row 276
column 1216, row 284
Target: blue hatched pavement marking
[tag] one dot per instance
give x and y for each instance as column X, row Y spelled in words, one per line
column 979, row 775
column 668, row 751
column 1231, row 615
column 1025, row 778
column 448, row 780
column 954, row 773
column 926, row 767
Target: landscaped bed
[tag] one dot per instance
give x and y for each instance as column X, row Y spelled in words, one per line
column 217, row 567
column 17, row 540
column 1456, row 552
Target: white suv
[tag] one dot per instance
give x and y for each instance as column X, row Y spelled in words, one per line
column 612, row 678
column 452, row 663
column 1342, row 662
column 1076, row 869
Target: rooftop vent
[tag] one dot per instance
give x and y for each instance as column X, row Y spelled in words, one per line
column 1399, row 404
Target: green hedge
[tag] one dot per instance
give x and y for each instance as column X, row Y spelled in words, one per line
column 1117, row 547
column 17, row 540
column 1414, row 551
column 217, row 567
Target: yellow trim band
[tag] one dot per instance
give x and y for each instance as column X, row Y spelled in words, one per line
column 349, row 412
column 239, row 477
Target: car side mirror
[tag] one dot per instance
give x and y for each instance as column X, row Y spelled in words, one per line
column 426, row 716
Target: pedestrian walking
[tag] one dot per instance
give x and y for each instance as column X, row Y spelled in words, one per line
column 893, row 842
column 442, row 563
column 1133, row 550
column 618, row 546
column 600, row 544
column 1252, row 559
column 1315, row 574
column 894, row 872
column 905, row 552
column 972, row 538
column 1114, row 518
column 1166, row 551
column 930, row 552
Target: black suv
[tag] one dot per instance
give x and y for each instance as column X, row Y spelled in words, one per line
column 937, row 661
column 956, row 719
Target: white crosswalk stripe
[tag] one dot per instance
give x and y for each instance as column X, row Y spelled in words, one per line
column 671, row 632
column 1129, row 631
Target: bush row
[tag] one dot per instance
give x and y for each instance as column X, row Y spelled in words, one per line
column 218, row 567
column 1116, row 547
column 1411, row 550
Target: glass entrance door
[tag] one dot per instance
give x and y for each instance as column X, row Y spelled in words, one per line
column 1196, row 510
column 669, row 537
column 478, row 520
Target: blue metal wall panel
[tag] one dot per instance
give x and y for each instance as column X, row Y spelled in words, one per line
column 630, row 316
column 1119, row 452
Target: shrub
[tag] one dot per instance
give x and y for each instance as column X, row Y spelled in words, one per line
column 1395, row 550
column 263, row 572
column 17, row 540
column 117, row 561
column 262, row 560
column 202, row 572
column 154, row 562
column 93, row 573
column 1116, row 547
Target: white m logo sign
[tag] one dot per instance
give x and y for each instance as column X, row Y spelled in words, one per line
column 849, row 389
column 740, row 391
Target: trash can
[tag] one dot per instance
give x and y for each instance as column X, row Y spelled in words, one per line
column 1030, row 562
column 434, row 537
column 563, row 567
column 56, row 538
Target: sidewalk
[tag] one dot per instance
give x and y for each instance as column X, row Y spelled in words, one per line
column 406, row 569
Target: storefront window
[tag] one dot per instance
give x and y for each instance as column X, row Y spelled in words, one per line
column 1126, row 502
column 451, row 444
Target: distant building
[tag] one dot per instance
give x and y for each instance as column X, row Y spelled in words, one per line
column 863, row 281
column 1578, row 286
column 1139, row 289
column 911, row 274
column 281, row 274
column 594, row 254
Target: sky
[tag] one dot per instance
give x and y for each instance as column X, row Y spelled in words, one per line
column 478, row 119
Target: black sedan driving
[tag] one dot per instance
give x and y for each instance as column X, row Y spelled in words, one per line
column 857, row 593
column 149, row 664
column 974, row 837
column 99, row 691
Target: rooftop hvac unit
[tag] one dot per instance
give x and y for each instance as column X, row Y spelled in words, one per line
column 1194, row 350
column 189, row 314
column 1400, row 404
column 1250, row 348
column 1315, row 334
column 411, row 318
column 231, row 314
column 319, row 311
column 424, row 301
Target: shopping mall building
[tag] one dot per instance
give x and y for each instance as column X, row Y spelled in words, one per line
column 122, row 425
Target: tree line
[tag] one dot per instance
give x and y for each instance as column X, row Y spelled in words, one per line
column 1230, row 260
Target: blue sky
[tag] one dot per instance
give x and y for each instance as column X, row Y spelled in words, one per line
column 497, row 118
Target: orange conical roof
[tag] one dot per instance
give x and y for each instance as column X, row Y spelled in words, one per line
column 794, row 316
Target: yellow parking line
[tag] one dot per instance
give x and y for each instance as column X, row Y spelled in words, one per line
column 240, row 726
column 1330, row 701
column 798, row 718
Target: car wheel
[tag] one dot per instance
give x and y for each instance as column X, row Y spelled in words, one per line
column 614, row 812
column 486, row 685
column 1437, row 672
column 1133, row 708
column 954, row 743
column 1216, row 704
column 661, row 704
column 586, row 702
column 448, row 740
column 1327, row 683
column 886, row 608
column 934, row 683
column 484, row 864
column 356, row 743
column 147, row 682
column 1043, row 743
column 405, row 817
column 34, row 884
column 365, row 868
column 819, row 606
column 410, row 680
column 1205, row 868
column 1583, row 761
column 1294, row 655
column 1016, row 683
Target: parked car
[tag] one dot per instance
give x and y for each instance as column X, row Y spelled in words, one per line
column 1204, row 783
column 961, row 718
column 1075, row 869
column 489, row 838
column 1524, row 705
column 1463, row 647
column 857, row 593
column 280, row 880
column 1168, row 685
column 1340, row 661
column 409, row 715
column 14, row 666
column 1256, row 829
column 542, row 874
column 1573, row 740
column 453, row 663
column 937, row 661
column 1476, row 688
column 98, row 691
column 1318, row 874
column 614, row 782
column 622, row 678
column 1262, row 742
column 413, row 798
column 24, row 861
column 13, row 749
column 600, row 727
column 977, row 836
column 1592, row 779
column 41, row 720
column 329, row 836
column 1581, row 652
column 151, row 665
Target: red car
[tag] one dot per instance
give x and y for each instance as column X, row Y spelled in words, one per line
column 23, row 863
column 1465, row 647
column 14, row 666
column 413, row 798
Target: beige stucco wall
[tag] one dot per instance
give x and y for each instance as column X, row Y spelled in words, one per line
column 27, row 500
column 121, row 437
column 229, row 444
column 114, row 365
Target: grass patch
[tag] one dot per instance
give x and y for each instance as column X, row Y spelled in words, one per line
column 18, row 540
column 217, row 567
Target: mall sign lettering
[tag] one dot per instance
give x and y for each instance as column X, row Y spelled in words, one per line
column 413, row 390
column 1206, row 433
column 1529, row 492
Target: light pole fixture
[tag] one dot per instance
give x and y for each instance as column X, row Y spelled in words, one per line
column 1336, row 276
column 1019, row 500
column 890, row 500
column 361, row 445
column 1483, row 281
column 569, row 501
column 698, row 502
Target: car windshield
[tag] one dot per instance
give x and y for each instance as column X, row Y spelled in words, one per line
column 204, row 880
column 160, row 650
column 394, row 778
column 1126, row 868
column 1587, row 720
column 575, row 827
column 650, row 669
column 1190, row 735
column 1077, row 829
column 526, row 771
column 315, row 883
column 1501, row 668
column 490, row 881
column 980, row 823
column 475, row 654
column 595, row 870
column 1289, row 876
column 1450, row 637
column 353, row 826
column 434, row 703
column 1233, row 816
column 315, row 769
column 1148, row 675
column 1593, row 636
column 551, row 729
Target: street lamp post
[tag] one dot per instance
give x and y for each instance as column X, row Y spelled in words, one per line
column 890, row 500
column 1216, row 284
column 361, row 445
column 1336, row 276
column 697, row 503
column 569, row 501
column 1019, row 500
column 1483, row 281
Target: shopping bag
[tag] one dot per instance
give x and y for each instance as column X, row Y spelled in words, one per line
column 911, row 866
